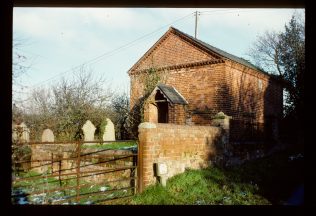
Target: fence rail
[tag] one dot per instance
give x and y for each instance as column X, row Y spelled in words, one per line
column 85, row 168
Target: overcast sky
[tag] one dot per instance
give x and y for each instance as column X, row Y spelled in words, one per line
column 111, row 40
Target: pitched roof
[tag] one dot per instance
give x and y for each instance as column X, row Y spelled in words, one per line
column 216, row 52
column 171, row 94
column 219, row 51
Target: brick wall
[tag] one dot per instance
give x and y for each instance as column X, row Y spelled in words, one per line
column 222, row 88
column 176, row 114
column 250, row 93
column 179, row 146
column 197, row 85
column 238, row 91
column 173, row 51
column 150, row 113
column 251, row 99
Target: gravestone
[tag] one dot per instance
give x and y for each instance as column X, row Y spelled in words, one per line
column 88, row 130
column 14, row 132
column 48, row 136
column 20, row 132
column 109, row 132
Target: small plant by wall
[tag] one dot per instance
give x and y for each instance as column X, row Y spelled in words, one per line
column 219, row 115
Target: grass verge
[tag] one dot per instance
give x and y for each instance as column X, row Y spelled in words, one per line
column 265, row 181
column 201, row 187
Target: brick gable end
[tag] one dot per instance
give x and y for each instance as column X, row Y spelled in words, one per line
column 172, row 50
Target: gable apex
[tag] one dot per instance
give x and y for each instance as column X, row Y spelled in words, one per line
column 218, row 51
column 172, row 49
column 215, row 55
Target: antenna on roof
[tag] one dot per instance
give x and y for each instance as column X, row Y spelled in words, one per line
column 196, row 19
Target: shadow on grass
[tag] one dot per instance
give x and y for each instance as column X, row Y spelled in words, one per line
column 265, row 181
column 278, row 177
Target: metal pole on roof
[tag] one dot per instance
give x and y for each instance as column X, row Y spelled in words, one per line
column 196, row 19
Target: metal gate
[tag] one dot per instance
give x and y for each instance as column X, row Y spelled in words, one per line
column 77, row 172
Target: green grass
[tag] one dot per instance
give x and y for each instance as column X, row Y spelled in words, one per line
column 265, row 181
column 201, row 187
column 114, row 145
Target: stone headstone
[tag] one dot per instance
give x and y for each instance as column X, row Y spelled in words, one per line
column 25, row 133
column 48, row 136
column 14, row 133
column 88, row 130
column 109, row 132
column 21, row 132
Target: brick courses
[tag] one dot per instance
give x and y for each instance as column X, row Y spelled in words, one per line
column 228, row 86
column 179, row 146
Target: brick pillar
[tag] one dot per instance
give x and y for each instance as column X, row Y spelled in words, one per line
column 143, row 148
column 223, row 121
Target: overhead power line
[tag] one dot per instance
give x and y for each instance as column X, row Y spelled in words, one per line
column 132, row 43
column 227, row 11
column 110, row 53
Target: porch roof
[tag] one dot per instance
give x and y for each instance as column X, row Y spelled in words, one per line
column 171, row 94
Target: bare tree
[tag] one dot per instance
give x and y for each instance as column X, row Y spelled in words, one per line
column 265, row 52
column 65, row 106
column 19, row 64
column 120, row 115
column 283, row 54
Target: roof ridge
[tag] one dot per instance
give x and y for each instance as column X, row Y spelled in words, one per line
column 221, row 52
column 216, row 52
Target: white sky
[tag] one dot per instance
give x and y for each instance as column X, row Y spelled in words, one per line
column 59, row 39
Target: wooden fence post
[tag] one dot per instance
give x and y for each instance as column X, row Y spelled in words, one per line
column 139, row 168
column 78, row 169
column 52, row 154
